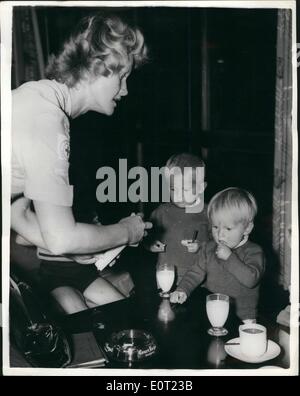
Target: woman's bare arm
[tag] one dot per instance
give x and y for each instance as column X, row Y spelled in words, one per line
column 25, row 223
column 54, row 228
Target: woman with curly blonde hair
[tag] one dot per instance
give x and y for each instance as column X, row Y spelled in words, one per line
column 99, row 46
column 88, row 74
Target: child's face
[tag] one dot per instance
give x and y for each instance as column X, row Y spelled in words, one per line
column 226, row 230
column 183, row 188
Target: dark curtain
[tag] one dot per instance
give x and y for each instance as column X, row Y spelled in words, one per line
column 27, row 60
column 282, row 192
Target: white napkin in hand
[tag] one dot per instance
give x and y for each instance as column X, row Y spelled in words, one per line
column 103, row 259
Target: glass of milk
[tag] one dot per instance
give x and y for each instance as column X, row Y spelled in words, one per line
column 165, row 275
column 217, row 309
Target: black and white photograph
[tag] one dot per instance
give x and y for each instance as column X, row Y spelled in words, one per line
column 149, row 189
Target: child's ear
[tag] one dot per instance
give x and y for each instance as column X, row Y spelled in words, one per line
column 249, row 228
column 167, row 172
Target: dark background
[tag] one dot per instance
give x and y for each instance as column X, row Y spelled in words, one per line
column 163, row 110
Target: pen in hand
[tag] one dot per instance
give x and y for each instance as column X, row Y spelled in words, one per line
column 195, row 236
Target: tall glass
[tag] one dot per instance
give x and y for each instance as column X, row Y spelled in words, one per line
column 165, row 312
column 216, row 352
column 165, row 275
column 217, row 309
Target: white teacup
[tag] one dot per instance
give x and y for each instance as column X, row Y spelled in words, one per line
column 253, row 340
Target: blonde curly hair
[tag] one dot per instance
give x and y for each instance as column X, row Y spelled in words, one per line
column 239, row 202
column 99, row 46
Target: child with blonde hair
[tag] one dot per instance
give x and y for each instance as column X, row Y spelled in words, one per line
column 181, row 225
column 229, row 264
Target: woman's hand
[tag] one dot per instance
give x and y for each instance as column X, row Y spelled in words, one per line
column 83, row 258
column 88, row 259
column 22, row 241
column 25, row 223
column 19, row 210
column 136, row 228
column 178, row 297
column 192, row 246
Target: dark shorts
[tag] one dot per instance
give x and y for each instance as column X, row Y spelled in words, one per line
column 61, row 273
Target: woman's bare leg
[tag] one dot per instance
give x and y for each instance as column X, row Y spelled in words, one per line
column 101, row 292
column 122, row 281
column 70, row 299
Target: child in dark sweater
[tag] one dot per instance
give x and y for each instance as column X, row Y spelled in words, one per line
column 180, row 226
column 229, row 264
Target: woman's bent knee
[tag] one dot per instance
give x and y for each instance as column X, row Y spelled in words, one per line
column 101, row 292
column 71, row 300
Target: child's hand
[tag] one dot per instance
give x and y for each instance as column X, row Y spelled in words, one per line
column 249, row 321
column 157, row 247
column 223, row 252
column 178, row 297
column 192, row 246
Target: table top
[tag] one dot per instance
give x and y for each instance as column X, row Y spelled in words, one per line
column 180, row 332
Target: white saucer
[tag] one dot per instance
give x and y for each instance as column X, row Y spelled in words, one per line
column 272, row 351
column 269, row 367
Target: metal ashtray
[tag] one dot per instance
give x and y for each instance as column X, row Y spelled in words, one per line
column 130, row 345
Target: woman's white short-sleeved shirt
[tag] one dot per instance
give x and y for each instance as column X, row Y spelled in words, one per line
column 41, row 142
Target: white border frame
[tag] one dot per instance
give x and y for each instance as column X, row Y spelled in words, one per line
column 6, row 49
